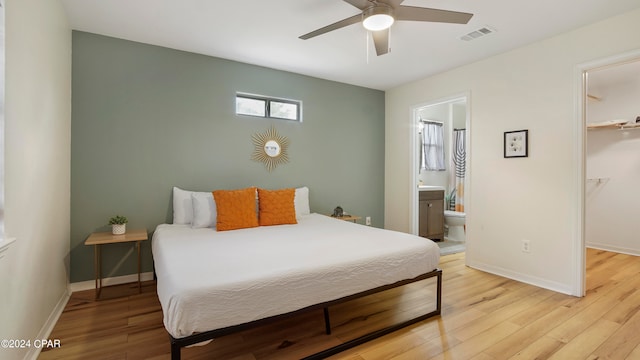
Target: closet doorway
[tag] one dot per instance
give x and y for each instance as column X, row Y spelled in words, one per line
column 610, row 118
column 613, row 158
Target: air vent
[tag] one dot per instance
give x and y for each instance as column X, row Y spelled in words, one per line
column 478, row 33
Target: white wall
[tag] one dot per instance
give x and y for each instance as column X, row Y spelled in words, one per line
column 509, row 200
column 33, row 272
column 612, row 155
column 618, row 88
column 459, row 115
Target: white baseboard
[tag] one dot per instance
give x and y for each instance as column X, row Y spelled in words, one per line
column 527, row 279
column 91, row 284
column 605, row 247
column 47, row 328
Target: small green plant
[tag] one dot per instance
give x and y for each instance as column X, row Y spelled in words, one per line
column 118, row 220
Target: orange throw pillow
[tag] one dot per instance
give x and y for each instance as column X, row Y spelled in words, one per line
column 236, row 209
column 277, row 207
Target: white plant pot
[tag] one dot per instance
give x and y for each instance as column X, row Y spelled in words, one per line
column 118, row 229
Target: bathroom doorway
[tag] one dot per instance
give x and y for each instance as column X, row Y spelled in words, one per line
column 450, row 174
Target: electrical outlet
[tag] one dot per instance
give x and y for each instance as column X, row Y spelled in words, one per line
column 367, row 221
column 526, row 246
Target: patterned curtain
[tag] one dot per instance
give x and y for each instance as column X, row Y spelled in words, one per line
column 458, row 169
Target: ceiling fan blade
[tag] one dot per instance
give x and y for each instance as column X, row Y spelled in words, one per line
column 337, row 25
column 381, row 41
column 394, row 3
column 413, row 13
column 360, row 4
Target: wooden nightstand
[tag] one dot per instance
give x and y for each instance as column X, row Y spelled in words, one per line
column 352, row 218
column 101, row 238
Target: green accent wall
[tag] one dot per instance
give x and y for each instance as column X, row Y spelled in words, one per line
column 147, row 118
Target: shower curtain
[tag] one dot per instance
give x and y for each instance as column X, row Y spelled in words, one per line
column 458, row 169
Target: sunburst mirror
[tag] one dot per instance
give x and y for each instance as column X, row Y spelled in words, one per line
column 270, row 148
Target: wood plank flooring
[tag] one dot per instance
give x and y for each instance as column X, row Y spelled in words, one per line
column 484, row 317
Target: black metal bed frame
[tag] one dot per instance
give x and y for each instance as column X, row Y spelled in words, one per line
column 177, row 344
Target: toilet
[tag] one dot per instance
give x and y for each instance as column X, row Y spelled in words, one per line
column 455, row 222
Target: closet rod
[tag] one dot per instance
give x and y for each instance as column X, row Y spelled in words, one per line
column 431, row 122
column 598, row 180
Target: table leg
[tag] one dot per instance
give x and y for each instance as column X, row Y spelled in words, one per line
column 139, row 283
column 98, row 269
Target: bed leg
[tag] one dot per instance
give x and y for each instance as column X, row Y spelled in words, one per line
column 175, row 351
column 439, row 294
column 327, row 322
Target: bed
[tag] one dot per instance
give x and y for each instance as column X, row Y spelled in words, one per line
column 211, row 283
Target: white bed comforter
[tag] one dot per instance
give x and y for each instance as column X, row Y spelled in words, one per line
column 210, row 280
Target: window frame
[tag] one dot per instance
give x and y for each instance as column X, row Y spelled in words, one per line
column 267, row 106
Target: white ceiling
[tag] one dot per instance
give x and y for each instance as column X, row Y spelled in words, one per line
column 266, row 32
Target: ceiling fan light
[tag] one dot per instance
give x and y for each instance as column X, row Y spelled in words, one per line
column 378, row 22
column 378, row 18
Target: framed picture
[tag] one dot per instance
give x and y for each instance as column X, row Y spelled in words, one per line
column 516, row 143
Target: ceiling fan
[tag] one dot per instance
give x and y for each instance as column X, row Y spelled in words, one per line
column 377, row 16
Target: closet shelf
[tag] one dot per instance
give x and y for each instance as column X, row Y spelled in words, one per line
column 613, row 126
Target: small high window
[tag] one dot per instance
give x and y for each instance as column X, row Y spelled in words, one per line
column 268, row 107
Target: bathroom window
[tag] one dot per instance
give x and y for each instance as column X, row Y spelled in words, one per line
column 432, row 146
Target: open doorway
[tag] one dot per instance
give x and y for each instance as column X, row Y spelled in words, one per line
column 612, row 161
column 609, row 141
column 440, row 171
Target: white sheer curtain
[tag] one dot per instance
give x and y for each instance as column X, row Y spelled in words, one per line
column 432, row 154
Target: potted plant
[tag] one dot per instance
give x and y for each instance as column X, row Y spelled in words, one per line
column 118, row 224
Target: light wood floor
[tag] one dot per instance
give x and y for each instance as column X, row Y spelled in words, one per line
column 484, row 317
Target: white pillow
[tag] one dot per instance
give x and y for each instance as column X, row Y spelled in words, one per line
column 301, row 202
column 182, row 206
column 204, row 210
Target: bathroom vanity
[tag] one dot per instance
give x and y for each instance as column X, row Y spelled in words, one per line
column 431, row 213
